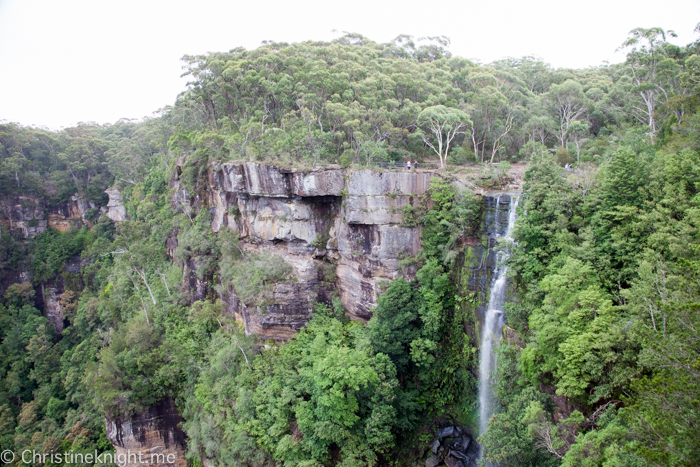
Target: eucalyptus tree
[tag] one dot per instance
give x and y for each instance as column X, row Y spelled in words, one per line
column 138, row 252
column 537, row 131
column 649, row 67
column 133, row 146
column 578, row 132
column 444, row 124
column 535, row 74
column 567, row 103
column 486, row 105
column 495, row 102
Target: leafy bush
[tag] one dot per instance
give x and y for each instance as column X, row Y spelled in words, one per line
column 196, row 242
column 52, row 249
column 254, row 277
column 135, row 371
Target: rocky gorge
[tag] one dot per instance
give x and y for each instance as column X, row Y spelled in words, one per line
column 345, row 233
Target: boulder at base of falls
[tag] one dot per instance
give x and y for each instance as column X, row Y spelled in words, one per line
column 454, row 446
column 464, row 443
column 432, row 461
column 452, row 462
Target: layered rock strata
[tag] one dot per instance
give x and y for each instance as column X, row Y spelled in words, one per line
column 151, row 438
column 340, row 230
column 29, row 216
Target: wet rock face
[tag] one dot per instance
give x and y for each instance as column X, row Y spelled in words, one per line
column 52, row 308
column 339, row 229
column 453, row 447
column 480, row 255
column 150, row 438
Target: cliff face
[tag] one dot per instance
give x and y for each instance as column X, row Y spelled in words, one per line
column 339, row 229
column 150, row 438
column 28, row 216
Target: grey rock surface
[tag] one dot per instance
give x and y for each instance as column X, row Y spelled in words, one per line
column 432, row 461
column 340, row 230
column 115, row 209
column 336, row 222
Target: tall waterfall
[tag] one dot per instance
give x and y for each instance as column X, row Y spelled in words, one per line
column 493, row 323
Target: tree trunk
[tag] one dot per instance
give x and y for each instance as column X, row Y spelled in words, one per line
column 142, row 275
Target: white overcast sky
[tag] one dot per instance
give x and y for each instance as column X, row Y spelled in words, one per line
column 66, row 61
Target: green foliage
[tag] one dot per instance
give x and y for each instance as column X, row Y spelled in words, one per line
column 72, row 161
column 578, row 337
column 606, row 266
column 663, row 405
column 196, row 244
column 36, row 407
column 409, row 216
column 564, row 156
column 606, row 445
column 625, row 179
column 509, row 440
column 605, row 271
column 320, row 395
column 346, row 158
column 394, row 324
column 53, row 248
column 451, row 218
column 134, row 371
column 12, row 251
column 254, row 277
column 504, row 167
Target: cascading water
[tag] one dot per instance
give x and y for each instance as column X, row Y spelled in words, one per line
column 493, row 322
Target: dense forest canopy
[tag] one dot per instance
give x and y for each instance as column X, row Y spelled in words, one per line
column 604, row 365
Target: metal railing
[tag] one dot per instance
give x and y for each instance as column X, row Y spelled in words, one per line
column 402, row 165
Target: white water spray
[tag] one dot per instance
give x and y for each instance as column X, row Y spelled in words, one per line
column 493, row 322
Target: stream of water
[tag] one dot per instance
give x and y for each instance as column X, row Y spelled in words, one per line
column 493, row 322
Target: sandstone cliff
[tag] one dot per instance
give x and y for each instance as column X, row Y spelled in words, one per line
column 151, row 438
column 28, row 216
column 340, row 229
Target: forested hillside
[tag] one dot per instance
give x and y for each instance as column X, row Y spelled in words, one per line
column 599, row 365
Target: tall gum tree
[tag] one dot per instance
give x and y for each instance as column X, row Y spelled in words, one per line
column 568, row 103
column 648, row 65
column 494, row 102
column 444, row 123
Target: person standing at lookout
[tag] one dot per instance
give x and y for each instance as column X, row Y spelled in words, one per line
column 408, row 165
column 415, row 164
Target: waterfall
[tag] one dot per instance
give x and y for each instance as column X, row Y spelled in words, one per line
column 493, row 322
